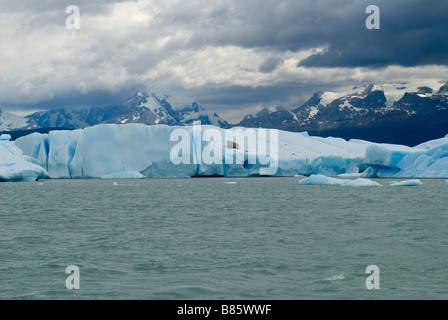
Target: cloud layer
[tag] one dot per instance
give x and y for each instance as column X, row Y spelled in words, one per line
column 235, row 56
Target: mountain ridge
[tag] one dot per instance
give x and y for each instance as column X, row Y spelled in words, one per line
column 146, row 108
column 367, row 112
column 403, row 113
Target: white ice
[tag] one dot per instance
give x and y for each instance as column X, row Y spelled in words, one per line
column 319, row 180
column 428, row 160
column 124, row 175
column 408, row 183
column 110, row 148
column 14, row 166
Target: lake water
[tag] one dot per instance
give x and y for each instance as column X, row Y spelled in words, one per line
column 220, row 238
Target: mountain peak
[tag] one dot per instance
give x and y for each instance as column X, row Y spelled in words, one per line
column 195, row 112
column 370, row 112
column 444, row 88
column 9, row 121
column 268, row 110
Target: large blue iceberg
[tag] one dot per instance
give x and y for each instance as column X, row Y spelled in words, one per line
column 112, row 150
column 108, row 149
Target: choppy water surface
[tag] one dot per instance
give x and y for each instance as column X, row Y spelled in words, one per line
column 259, row 238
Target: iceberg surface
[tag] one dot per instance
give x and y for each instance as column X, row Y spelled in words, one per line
column 428, row 160
column 320, row 180
column 14, row 166
column 108, row 149
column 408, row 183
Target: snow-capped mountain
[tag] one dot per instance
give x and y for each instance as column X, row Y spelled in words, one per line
column 403, row 113
column 382, row 113
column 189, row 114
column 146, row 108
column 155, row 109
column 68, row 118
column 9, row 121
column 270, row 117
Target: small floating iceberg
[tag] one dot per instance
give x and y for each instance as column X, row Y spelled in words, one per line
column 407, row 183
column 124, row 175
column 319, row 180
column 361, row 183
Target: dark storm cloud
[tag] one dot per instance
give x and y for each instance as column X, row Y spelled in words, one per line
column 73, row 99
column 413, row 32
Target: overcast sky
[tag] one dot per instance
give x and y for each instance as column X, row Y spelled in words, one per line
column 234, row 56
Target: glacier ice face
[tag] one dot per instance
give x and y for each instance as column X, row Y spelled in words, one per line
column 408, row 183
column 35, row 146
column 110, row 148
column 14, row 166
column 428, row 160
column 107, row 149
column 305, row 155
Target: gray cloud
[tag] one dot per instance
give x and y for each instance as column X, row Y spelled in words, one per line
column 228, row 54
column 269, row 65
column 412, row 33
